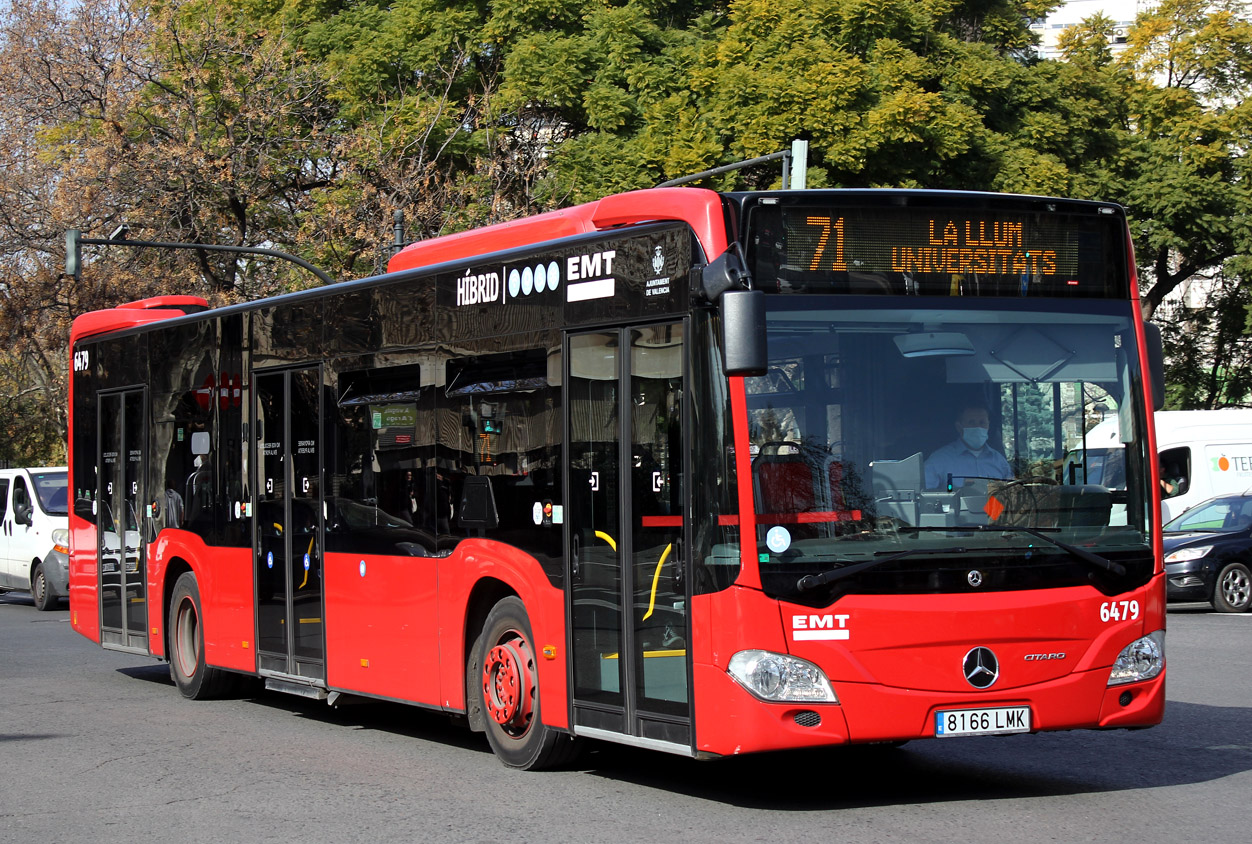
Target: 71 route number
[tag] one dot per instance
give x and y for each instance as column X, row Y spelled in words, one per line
column 1119, row 610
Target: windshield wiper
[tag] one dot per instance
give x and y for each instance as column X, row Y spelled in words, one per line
column 812, row 581
column 1093, row 559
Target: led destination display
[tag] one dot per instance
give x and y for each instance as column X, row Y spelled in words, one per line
column 1000, row 244
column 994, row 248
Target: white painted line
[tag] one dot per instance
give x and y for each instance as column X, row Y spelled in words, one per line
column 814, row 635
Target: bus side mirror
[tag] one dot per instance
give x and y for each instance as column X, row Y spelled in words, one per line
column 1156, row 363
column 743, row 332
column 725, row 272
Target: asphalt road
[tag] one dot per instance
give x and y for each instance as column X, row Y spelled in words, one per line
column 97, row 746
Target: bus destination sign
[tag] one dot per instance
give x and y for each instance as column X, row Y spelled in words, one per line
column 954, row 242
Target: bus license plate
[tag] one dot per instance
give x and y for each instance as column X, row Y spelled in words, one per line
column 982, row 722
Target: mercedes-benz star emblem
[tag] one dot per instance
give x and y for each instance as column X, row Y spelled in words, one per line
column 974, row 578
column 981, row 668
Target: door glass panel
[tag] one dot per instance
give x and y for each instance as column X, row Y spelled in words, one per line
column 306, row 495
column 595, row 530
column 656, row 392
column 135, row 605
column 110, row 504
column 289, row 522
column 271, row 515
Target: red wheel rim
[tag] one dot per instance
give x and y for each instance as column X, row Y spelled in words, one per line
column 509, row 685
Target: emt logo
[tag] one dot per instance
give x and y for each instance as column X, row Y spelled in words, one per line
column 819, row 627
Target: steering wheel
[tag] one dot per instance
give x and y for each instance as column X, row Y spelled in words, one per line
column 1031, row 479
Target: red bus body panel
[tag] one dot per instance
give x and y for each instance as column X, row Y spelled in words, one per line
column 398, row 630
column 699, row 208
column 901, row 663
column 224, row 578
column 382, row 626
column 473, row 562
column 84, row 576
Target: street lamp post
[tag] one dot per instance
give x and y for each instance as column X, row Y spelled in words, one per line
column 74, row 241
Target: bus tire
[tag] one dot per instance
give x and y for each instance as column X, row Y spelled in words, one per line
column 40, row 591
column 1232, row 591
column 195, row 680
column 508, row 692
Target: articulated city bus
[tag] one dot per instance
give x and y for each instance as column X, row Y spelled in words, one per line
column 705, row 473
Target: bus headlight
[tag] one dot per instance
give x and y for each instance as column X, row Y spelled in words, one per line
column 1142, row 659
column 781, row 678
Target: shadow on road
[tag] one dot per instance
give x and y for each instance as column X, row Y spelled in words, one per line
column 1196, row 743
column 17, row 598
column 356, row 713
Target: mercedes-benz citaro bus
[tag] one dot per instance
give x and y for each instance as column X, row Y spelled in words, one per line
column 709, row 473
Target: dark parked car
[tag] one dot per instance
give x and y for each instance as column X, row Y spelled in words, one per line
column 1208, row 553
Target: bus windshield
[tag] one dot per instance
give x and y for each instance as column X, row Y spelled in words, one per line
column 893, row 425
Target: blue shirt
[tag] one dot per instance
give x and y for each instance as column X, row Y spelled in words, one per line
column 957, row 459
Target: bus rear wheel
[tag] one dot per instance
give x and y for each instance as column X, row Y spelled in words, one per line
column 195, row 680
column 508, row 691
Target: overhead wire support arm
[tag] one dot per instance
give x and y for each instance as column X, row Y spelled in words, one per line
column 792, row 177
column 73, row 240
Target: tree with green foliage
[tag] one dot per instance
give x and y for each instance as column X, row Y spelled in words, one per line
column 1185, row 173
column 1184, row 180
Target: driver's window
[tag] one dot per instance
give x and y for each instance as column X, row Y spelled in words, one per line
column 1175, row 471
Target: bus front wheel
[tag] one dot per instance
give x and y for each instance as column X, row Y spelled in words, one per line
column 508, row 690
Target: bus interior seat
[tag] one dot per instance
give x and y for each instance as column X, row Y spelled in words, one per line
column 785, row 483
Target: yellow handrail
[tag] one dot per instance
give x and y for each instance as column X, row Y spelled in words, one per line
column 306, row 570
column 656, row 577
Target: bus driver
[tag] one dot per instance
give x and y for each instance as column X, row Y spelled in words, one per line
column 968, row 456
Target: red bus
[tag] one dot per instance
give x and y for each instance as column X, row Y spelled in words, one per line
column 709, row 473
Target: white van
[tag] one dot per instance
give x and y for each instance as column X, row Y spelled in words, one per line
column 1202, row 453
column 34, row 533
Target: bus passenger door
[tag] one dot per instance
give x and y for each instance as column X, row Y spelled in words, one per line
column 122, row 553
column 628, row 595
column 288, row 524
